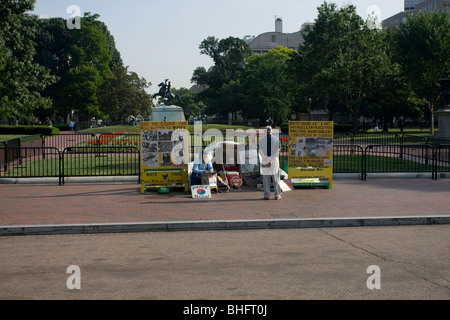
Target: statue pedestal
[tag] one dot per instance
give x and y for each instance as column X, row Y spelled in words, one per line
column 170, row 112
column 443, row 135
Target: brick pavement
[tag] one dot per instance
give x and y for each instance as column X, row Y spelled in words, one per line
column 97, row 203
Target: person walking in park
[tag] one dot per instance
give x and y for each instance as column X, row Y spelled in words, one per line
column 269, row 151
column 71, row 124
column 400, row 123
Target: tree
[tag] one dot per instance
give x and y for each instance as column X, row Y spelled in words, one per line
column 189, row 103
column 22, row 79
column 341, row 55
column 93, row 79
column 53, row 52
column 88, row 65
column 123, row 94
column 222, row 80
column 267, row 87
column 389, row 94
column 423, row 50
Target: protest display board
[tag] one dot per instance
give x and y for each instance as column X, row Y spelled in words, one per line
column 311, row 153
column 164, row 154
column 201, row 192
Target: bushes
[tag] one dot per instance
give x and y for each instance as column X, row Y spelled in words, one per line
column 337, row 127
column 343, row 127
column 61, row 127
column 285, row 128
column 29, row 130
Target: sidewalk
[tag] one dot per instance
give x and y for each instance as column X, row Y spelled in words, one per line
column 120, row 207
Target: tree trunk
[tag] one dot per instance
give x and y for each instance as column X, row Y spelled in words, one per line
column 355, row 123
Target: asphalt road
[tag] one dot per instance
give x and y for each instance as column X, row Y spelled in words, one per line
column 407, row 262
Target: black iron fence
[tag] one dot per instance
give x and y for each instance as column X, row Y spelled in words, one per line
column 30, row 162
column 49, row 162
column 100, row 161
column 117, row 154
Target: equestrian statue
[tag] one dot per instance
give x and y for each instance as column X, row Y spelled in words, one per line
column 166, row 93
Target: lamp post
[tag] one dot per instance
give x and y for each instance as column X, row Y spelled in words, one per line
column 364, row 112
column 309, row 107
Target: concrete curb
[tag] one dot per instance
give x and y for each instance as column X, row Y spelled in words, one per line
column 33, row 230
column 103, row 179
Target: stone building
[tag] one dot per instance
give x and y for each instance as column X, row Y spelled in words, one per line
column 264, row 42
column 414, row 7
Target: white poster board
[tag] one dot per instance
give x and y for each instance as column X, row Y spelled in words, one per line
column 201, row 192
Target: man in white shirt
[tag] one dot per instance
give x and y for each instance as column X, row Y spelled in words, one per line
column 269, row 151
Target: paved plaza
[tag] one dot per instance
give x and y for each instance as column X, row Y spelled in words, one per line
column 121, row 204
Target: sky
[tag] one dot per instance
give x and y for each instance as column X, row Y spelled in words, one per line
column 159, row 39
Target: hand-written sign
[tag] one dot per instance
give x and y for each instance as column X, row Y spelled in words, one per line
column 201, row 192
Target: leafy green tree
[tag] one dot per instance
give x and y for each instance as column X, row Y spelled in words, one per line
column 123, row 94
column 53, row 52
column 22, row 79
column 341, row 54
column 88, row 62
column 189, row 103
column 348, row 62
column 389, row 94
column 81, row 86
column 423, row 50
column 93, row 79
column 222, row 80
column 267, row 86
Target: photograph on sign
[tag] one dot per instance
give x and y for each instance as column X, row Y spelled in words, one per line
column 163, row 145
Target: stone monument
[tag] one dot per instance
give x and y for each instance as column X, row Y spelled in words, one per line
column 443, row 114
column 165, row 109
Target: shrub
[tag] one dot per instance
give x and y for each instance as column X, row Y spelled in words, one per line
column 29, row 130
column 343, row 127
column 285, row 127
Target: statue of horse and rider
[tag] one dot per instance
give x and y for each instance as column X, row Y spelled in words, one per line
column 166, row 93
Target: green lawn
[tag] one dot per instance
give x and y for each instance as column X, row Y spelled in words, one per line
column 79, row 166
column 130, row 165
column 353, row 163
column 4, row 137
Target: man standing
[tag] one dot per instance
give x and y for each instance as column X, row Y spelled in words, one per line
column 71, row 124
column 269, row 151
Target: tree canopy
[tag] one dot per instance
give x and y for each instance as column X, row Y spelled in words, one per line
column 22, row 79
column 345, row 64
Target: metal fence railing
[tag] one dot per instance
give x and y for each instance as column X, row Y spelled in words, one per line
column 348, row 158
column 38, row 162
column 400, row 158
column 30, row 162
column 100, row 161
column 115, row 154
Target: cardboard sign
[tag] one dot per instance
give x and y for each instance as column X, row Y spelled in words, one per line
column 209, row 179
column 201, row 192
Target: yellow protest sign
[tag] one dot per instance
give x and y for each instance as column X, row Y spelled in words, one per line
column 164, row 145
column 311, row 153
column 164, row 154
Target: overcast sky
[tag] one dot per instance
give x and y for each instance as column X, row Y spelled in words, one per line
column 159, row 39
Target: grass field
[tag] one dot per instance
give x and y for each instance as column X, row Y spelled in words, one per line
column 78, row 166
column 113, row 165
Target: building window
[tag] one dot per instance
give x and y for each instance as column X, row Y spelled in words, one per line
column 274, row 38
